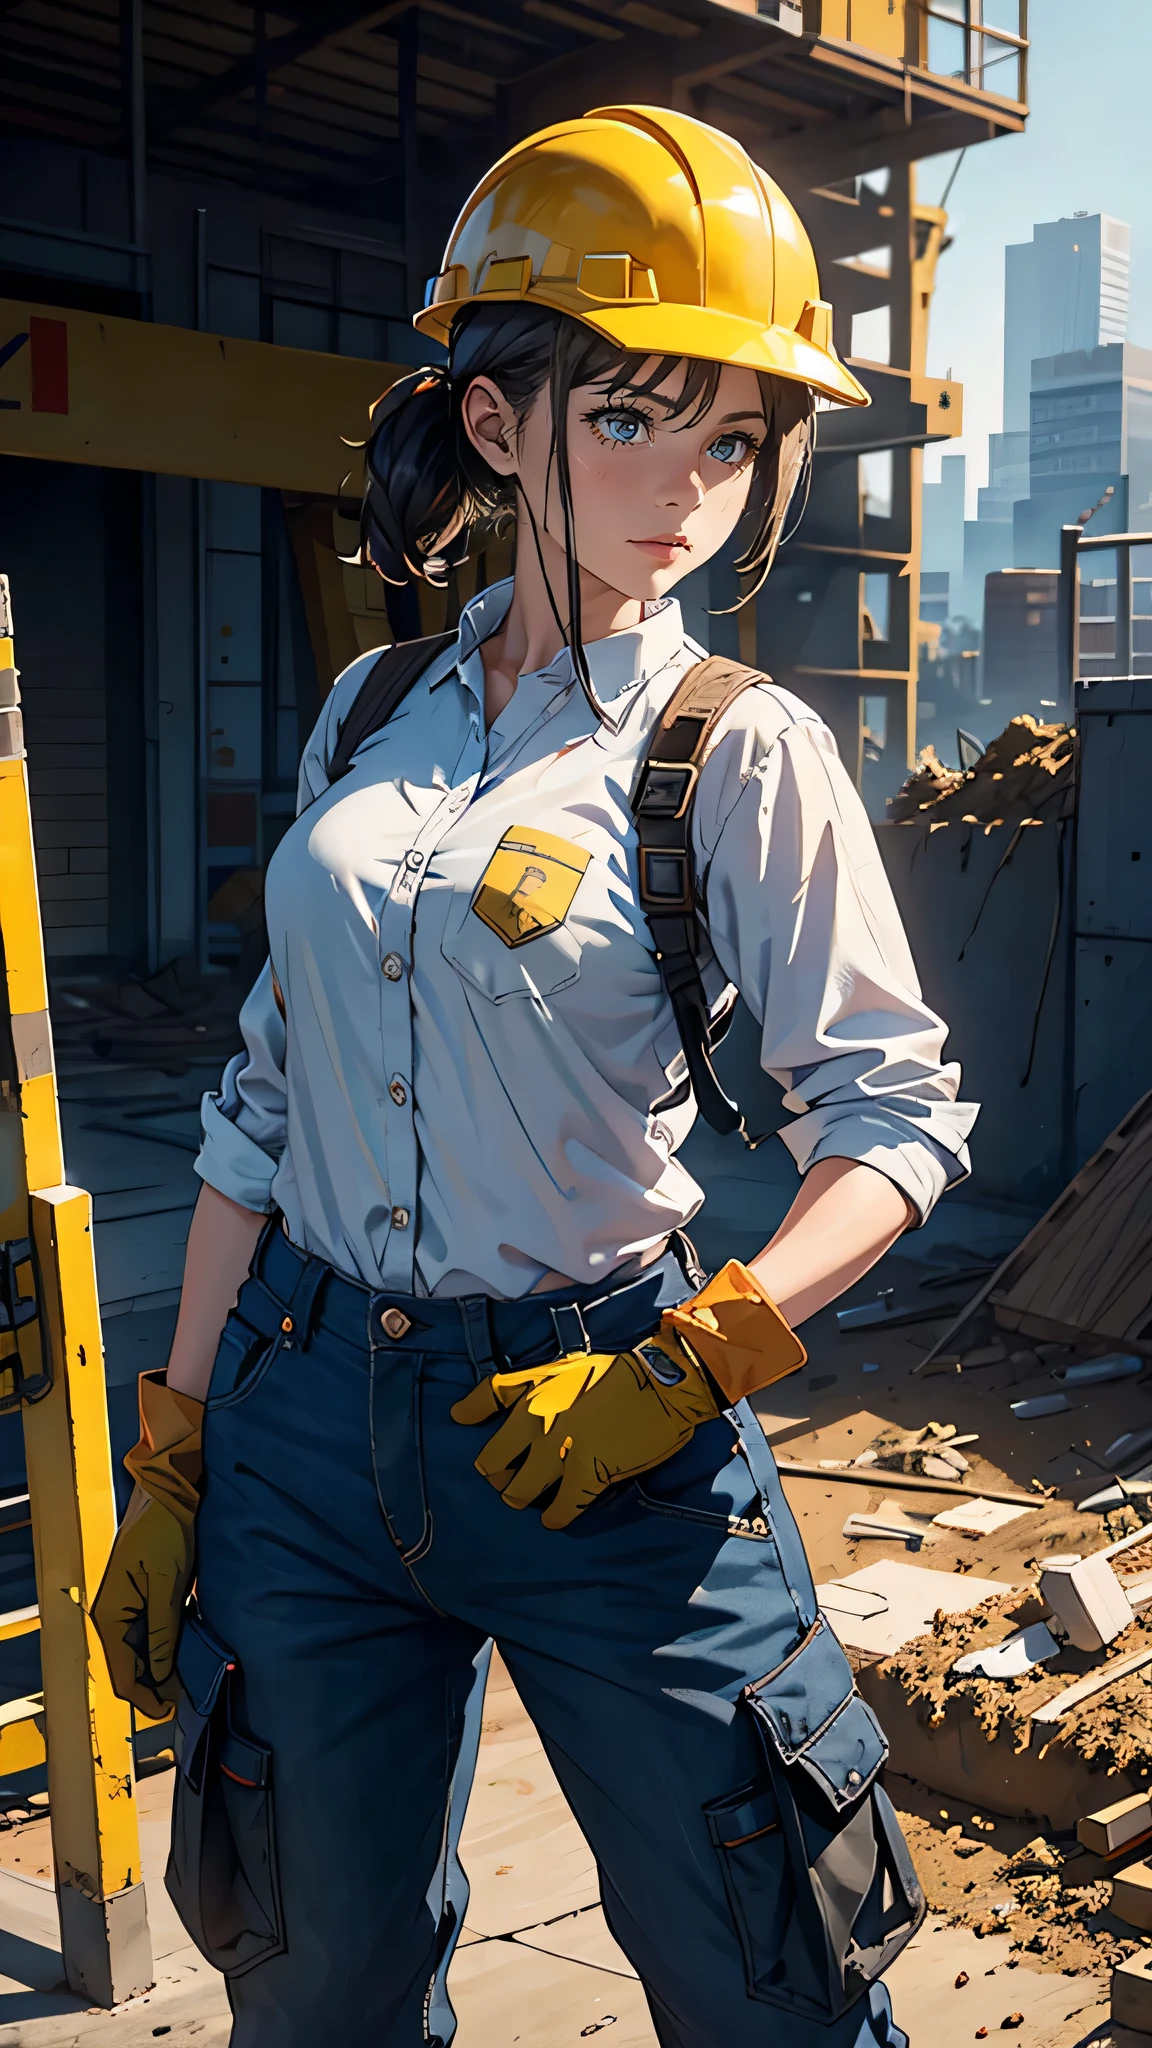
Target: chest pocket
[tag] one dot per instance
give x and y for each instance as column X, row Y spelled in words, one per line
column 510, row 939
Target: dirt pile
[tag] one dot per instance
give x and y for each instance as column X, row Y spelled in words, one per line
column 995, row 1876
column 1112, row 1730
column 1024, row 774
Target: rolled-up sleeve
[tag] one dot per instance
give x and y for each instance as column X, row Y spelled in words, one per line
column 803, row 922
column 244, row 1124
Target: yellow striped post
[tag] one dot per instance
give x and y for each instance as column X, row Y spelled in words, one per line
column 87, row 1731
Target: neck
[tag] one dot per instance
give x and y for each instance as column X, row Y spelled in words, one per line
column 530, row 637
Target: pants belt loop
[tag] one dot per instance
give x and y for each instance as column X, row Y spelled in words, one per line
column 476, row 1316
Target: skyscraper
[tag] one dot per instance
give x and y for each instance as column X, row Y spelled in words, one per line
column 1064, row 290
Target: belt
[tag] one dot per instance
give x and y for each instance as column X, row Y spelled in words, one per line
column 500, row 1334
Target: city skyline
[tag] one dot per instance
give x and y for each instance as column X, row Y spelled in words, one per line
column 1087, row 149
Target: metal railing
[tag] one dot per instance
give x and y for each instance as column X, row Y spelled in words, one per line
column 1120, row 632
column 982, row 42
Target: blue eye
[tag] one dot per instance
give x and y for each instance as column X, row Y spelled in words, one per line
column 730, row 448
column 623, row 429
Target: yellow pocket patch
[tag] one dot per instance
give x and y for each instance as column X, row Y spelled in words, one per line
column 528, row 885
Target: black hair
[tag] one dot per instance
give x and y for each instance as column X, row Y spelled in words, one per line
column 428, row 489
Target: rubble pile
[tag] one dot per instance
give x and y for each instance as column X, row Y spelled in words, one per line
column 1111, row 1730
column 1023, row 776
column 933, row 1451
column 1050, row 1912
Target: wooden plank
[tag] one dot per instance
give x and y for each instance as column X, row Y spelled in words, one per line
column 1086, row 1688
column 908, row 1482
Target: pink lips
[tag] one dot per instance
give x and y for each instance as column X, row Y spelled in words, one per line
column 662, row 549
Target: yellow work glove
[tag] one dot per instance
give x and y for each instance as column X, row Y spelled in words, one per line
column 587, row 1420
column 140, row 1605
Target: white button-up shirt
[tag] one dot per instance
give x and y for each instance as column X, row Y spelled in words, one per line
column 442, row 1111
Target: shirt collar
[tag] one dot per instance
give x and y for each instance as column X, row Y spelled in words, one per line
column 618, row 665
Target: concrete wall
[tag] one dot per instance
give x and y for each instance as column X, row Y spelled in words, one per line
column 979, row 926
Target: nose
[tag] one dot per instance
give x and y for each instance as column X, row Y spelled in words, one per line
column 685, row 490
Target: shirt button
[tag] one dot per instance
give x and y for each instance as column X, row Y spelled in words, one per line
column 415, row 860
column 392, row 967
column 399, row 1093
column 400, row 1218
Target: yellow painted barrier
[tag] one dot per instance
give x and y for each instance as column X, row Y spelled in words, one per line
column 54, row 1361
column 127, row 394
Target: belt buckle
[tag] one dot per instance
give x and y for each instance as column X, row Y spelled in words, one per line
column 578, row 1338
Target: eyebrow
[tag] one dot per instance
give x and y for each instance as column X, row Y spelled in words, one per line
column 730, row 418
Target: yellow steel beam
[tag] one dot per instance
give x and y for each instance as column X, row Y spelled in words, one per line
column 95, row 1838
column 22, row 1734
column 21, row 1621
column 126, row 394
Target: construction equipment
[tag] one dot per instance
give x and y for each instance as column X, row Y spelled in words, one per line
column 51, row 1366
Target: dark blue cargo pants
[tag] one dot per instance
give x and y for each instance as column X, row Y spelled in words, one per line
column 353, row 1566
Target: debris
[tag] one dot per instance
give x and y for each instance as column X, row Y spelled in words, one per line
column 890, row 1522
column 1049, row 1289
column 1122, row 1494
column 1014, row 2019
column 1132, row 1896
column 799, row 1468
column 981, row 2033
column 868, row 1366
column 1116, row 1827
column 942, row 1467
column 1018, row 1653
column 1132, row 1992
column 1039, row 1404
column 1028, row 766
column 961, row 1980
column 1087, row 1599
column 1057, row 1709
column 935, row 1449
column 983, row 1354
column 981, row 1516
column 1090, row 1372
column 887, row 1605
column 1129, row 1449
column 869, row 1315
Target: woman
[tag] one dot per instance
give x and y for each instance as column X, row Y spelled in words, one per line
column 445, row 1108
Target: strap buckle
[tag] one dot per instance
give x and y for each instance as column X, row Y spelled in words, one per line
column 665, row 788
column 665, row 878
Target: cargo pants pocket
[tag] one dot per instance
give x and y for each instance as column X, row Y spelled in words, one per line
column 817, row 1872
column 222, row 1875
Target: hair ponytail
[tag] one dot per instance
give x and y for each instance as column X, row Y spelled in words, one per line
column 414, row 521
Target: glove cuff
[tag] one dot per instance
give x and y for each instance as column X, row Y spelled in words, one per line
column 168, row 1462
column 737, row 1332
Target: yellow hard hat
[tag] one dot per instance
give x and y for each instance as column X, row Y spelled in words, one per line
column 656, row 230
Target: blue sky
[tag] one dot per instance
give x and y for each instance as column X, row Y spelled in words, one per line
column 1088, row 145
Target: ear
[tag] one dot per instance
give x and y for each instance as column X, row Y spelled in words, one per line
column 490, row 425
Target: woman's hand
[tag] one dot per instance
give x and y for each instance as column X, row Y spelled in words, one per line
column 844, row 1218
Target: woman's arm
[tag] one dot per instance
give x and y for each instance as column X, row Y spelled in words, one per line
column 843, row 1219
column 221, row 1242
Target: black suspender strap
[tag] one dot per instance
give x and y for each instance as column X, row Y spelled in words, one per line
column 662, row 811
column 384, row 688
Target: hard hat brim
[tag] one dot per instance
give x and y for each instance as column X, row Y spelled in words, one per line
column 702, row 332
